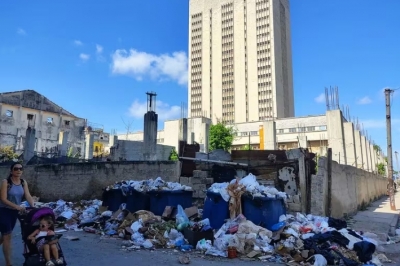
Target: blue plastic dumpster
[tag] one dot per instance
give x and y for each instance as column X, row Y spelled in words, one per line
column 263, row 211
column 216, row 209
column 161, row 199
column 113, row 198
column 136, row 201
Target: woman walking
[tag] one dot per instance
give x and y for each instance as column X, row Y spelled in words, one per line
column 12, row 191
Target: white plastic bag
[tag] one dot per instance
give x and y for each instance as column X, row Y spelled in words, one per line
column 181, row 217
column 320, row 260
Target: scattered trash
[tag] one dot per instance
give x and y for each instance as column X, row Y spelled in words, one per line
column 291, row 239
column 184, row 259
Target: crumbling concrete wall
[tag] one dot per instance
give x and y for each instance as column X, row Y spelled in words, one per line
column 20, row 110
column 199, row 182
column 352, row 188
column 86, row 180
column 134, row 151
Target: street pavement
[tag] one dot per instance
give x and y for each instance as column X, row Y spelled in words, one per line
column 378, row 218
column 91, row 250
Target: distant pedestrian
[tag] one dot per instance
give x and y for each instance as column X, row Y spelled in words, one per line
column 12, row 191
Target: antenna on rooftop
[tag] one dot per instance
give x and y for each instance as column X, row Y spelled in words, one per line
column 151, row 101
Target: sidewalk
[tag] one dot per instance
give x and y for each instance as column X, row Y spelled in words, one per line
column 378, row 218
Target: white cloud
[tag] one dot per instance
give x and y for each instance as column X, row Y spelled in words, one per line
column 140, row 64
column 99, row 53
column 164, row 110
column 84, row 57
column 21, row 31
column 78, row 43
column 320, row 98
column 364, row 100
column 99, row 48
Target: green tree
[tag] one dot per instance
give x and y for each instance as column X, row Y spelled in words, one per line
column 247, row 147
column 377, row 148
column 173, row 156
column 70, row 152
column 221, row 136
column 381, row 169
column 7, row 153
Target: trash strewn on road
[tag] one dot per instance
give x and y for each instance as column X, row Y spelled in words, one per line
column 241, row 219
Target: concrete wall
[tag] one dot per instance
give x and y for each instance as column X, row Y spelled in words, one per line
column 352, row 188
column 85, row 180
column 133, row 151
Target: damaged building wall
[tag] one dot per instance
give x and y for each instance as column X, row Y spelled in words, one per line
column 20, row 110
column 352, row 188
column 78, row 181
column 133, row 151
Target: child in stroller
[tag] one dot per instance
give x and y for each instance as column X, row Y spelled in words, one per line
column 45, row 245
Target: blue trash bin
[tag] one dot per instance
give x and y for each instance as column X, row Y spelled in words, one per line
column 216, row 209
column 137, row 201
column 161, row 199
column 263, row 211
column 113, row 199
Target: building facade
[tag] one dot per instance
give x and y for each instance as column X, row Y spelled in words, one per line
column 316, row 133
column 23, row 110
column 240, row 60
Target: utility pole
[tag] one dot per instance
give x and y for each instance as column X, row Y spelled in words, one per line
column 388, row 93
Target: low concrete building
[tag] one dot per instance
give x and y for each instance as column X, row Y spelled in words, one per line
column 30, row 121
column 316, row 133
column 189, row 129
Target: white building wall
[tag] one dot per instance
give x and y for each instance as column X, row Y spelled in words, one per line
column 245, row 53
column 48, row 126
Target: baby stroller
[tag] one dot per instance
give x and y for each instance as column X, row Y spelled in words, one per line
column 29, row 223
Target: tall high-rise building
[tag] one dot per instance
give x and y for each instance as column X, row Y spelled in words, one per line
column 240, row 66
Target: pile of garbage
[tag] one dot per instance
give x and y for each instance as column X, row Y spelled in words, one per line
column 297, row 240
column 250, row 186
column 147, row 185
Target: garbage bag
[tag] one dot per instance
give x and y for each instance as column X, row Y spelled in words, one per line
column 364, row 250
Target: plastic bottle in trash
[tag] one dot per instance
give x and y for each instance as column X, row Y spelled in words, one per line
column 186, row 247
column 179, row 242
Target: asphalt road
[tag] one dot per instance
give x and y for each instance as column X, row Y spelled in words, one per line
column 90, row 250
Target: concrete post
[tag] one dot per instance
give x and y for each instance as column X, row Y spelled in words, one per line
column 373, row 153
column 369, row 153
column 334, row 119
column 89, row 146
column 183, row 129
column 303, row 143
column 269, row 135
column 359, row 150
column 365, row 153
column 29, row 146
column 350, row 146
column 150, row 136
column 63, row 141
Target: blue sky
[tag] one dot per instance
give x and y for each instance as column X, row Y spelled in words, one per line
column 98, row 58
